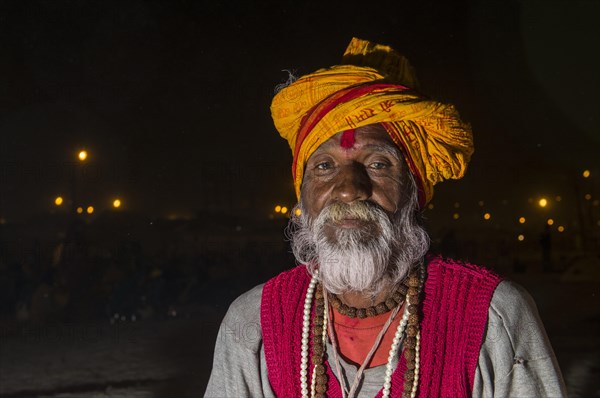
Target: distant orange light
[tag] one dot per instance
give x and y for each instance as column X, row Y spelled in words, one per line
column 487, row 216
column 586, row 173
column 298, row 212
column 543, row 202
column 82, row 155
column 284, row 210
column 588, row 196
column 277, row 209
column 58, row 201
column 521, row 238
column 522, row 220
column 550, row 221
column 561, row 228
column 79, row 210
column 430, row 206
column 117, row 203
column 456, row 216
column 90, row 209
column 558, row 198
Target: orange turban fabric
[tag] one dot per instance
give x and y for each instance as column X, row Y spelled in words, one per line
column 372, row 86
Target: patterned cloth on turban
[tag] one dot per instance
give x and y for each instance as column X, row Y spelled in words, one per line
column 374, row 84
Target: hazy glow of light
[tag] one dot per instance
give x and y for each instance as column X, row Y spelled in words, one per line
column 522, row 220
column 487, row 216
column 430, row 206
column 543, row 202
column 550, row 221
column 558, row 198
column 117, row 203
column 79, row 210
column 58, row 201
column 521, row 238
column 596, row 202
column 82, row 155
column 586, row 173
column 480, row 203
column 456, row 205
column 588, row 196
column 298, row 212
column 90, row 209
column 456, row 216
column 277, row 209
column 284, row 210
column 561, row 228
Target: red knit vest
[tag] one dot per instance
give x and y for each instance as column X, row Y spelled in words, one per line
column 455, row 309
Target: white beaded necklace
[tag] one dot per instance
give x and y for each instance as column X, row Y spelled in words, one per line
column 387, row 385
column 305, row 327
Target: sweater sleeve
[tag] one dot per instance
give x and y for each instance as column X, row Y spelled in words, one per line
column 239, row 367
column 516, row 358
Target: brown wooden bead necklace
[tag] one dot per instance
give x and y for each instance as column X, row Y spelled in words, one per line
column 389, row 304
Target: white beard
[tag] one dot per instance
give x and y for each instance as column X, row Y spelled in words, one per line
column 355, row 259
column 364, row 259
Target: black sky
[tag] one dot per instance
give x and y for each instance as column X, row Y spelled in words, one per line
column 172, row 98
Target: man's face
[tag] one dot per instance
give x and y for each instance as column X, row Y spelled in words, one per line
column 357, row 223
column 371, row 170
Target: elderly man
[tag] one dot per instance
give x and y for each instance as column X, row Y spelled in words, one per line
column 367, row 312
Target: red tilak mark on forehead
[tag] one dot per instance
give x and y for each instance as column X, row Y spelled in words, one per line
column 347, row 140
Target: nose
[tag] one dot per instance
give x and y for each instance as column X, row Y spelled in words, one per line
column 352, row 184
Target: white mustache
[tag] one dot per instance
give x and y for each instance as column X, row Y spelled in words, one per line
column 362, row 211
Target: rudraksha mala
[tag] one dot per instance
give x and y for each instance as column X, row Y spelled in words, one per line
column 385, row 306
column 415, row 282
column 318, row 344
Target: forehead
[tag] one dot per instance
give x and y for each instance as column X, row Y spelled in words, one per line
column 373, row 137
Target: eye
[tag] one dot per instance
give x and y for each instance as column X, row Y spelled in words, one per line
column 323, row 166
column 379, row 165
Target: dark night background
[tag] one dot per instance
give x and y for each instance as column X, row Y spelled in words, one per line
column 171, row 101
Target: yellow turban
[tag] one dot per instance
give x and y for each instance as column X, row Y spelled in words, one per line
column 372, row 86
